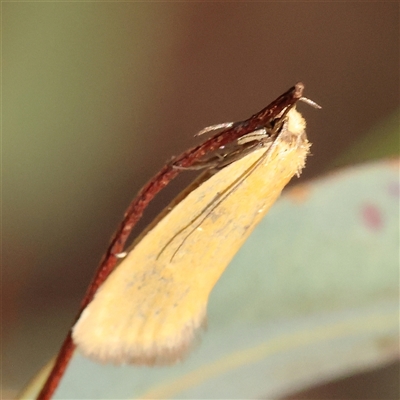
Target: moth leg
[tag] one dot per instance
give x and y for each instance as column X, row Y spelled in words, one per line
column 206, row 164
column 211, row 128
column 234, row 151
column 243, row 146
column 258, row 135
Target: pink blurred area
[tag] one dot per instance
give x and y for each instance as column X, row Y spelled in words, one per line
column 98, row 96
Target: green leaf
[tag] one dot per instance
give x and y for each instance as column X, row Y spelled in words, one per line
column 312, row 295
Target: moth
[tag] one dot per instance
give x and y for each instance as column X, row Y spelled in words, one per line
column 150, row 308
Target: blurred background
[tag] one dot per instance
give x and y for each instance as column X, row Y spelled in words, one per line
column 98, row 96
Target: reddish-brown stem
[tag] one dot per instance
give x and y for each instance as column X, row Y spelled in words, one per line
column 139, row 204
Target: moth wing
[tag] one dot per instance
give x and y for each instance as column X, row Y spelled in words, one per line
column 150, row 308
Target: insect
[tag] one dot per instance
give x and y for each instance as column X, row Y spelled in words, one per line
column 150, row 308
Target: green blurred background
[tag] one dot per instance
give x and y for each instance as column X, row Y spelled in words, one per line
column 97, row 96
